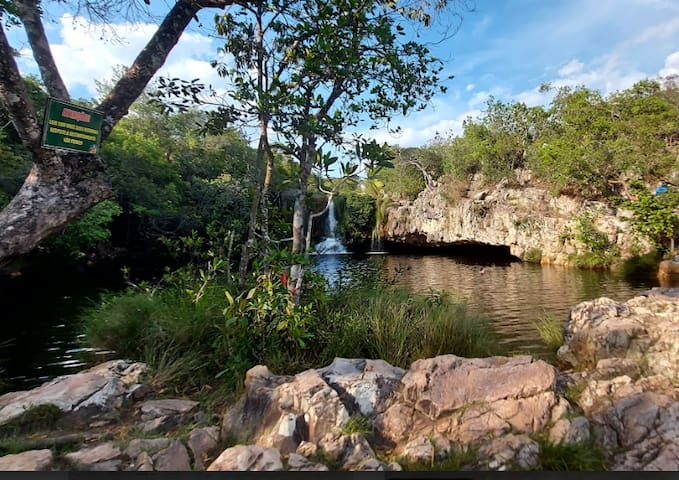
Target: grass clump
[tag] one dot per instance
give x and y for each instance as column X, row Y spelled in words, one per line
column 550, row 329
column 400, row 327
column 457, row 459
column 358, row 424
column 581, row 456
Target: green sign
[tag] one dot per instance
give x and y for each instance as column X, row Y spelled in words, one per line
column 71, row 127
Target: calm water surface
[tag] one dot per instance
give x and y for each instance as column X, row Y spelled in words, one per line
column 512, row 294
column 39, row 339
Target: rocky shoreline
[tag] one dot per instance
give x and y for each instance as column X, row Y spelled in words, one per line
column 617, row 390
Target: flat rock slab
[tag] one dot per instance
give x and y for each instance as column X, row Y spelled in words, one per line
column 88, row 394
column 251, row 458
column 440, row 385
column 153, row 409
column 32, row 460
column 106, row 452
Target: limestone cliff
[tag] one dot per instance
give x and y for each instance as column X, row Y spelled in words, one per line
column 532, row 223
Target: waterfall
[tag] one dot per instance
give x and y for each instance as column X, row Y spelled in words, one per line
column 330, row 244
column 376, row 243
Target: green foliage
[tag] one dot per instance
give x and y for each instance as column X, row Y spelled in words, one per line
column 358, row 424
column 597, row 252
column 550, row 329
column 533, row 255
column 35, row 418
column 356, row 218
column 655, row 216
column 582, row 456
column 86, row 234
column 399, row 327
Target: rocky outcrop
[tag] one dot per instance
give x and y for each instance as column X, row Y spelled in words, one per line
column 97, row 393
column 439, row 405
column 628, row 380
column 530, row 222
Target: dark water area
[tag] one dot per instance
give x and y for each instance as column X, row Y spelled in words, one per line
column 512, row 294
column 40, row 332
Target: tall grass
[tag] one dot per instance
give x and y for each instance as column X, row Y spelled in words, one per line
column 550, row 329
column 400, row 327
column 196, row 345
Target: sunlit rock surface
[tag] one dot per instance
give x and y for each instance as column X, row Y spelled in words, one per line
column 530, row 222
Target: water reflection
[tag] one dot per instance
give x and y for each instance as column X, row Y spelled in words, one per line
column 512, row 294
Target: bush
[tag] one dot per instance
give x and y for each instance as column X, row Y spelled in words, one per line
column 208, row 341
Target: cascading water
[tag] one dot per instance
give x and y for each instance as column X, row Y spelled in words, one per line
column 330, row 244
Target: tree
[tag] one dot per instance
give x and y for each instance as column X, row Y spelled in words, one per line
column 62, row 186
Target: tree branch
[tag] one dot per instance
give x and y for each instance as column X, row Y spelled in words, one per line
column 16, row 99
column 117, row 103
column 30, row 17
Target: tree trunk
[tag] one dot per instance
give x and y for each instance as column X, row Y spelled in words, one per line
column 47, row 201
column 62, row 186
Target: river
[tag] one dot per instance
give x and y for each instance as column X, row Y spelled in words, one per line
column 40, row 310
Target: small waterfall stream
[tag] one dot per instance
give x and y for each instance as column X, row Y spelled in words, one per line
column 330, row 244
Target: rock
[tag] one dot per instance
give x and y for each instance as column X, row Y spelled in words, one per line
column 107, row 466
column 441, row 385
column 298, row 463
column 144, row 462
column 32, row 460
column 153, row 409
column 370, row 465
column 85, row 397
column 418, row 450
column 202, row 441
column 149, row 445
column 508, row 452
column 280, row 412
column 668, row 269
column 525, row 220
column 253, row 458
column 306, row 449
column 162, row 424
column 645, row 326
column 357, row 451
column 367, row 385
column 173, row 458
column 570, row 431
column 88, row 458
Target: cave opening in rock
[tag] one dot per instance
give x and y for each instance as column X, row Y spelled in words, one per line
column 471, row 251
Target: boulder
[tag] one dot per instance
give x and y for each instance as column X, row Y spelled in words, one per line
column 251, row 458
column 281, row 412
column 173, row 458
column 32, row 460
column 202, row 442
column 467, row 400
column 297, row 463
column 367, row 386
column 103, row 457
column 92, row 394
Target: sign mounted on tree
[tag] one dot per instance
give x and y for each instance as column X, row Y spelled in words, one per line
column 71, row 127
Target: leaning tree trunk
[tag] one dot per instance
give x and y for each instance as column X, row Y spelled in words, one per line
column 50, row 198
column 62, row 186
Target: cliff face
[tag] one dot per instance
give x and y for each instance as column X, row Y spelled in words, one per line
column 529, row 221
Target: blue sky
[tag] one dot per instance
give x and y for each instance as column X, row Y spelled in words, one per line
column 503, row 48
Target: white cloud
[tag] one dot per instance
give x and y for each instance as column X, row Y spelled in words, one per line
column 470, row 87
column 671, row 65
column 571, row 68
column 90, row 52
